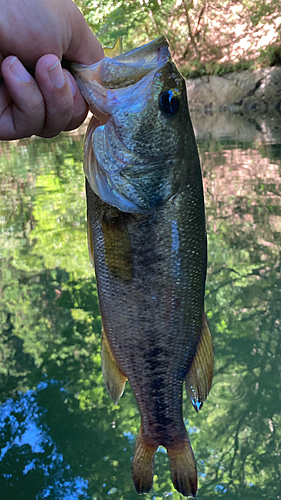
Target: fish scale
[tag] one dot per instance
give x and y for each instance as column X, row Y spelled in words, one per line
column 152, row 251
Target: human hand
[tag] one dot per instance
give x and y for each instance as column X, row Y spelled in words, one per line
column 38, row 34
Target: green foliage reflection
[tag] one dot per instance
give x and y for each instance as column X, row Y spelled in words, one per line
column 60, row 434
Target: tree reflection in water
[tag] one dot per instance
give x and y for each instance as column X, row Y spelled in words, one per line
column 61, row 437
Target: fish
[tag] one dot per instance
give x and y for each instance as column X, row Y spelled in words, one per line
column 147, row 241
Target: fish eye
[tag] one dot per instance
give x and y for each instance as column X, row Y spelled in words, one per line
column 169, row 102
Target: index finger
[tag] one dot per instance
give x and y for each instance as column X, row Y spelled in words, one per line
column 84, row 47
column 22, row 109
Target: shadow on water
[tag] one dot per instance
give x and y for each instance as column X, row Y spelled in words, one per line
column 61, row 437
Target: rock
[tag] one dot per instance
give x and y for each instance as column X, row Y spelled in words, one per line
column 246, row 92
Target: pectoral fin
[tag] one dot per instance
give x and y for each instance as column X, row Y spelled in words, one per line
column 199, row 378
column 90, row 240
column 118, row 254
column 112, row 375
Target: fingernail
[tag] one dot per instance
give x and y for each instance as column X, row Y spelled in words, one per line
column 71, row 84
column 19, row 70
column 56, row 75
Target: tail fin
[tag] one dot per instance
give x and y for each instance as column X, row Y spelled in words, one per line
column 183, row 470
column 142, row 469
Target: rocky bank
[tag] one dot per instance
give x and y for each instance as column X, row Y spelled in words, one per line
column 245, row 91
column 244, row 104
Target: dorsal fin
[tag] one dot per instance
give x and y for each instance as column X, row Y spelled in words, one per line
column 198, row 380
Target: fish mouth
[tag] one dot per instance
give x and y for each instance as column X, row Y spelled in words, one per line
column 135, row 64
column 97, row 80
column 125, row 69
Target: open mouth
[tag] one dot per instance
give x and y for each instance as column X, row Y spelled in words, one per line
column 125, row 69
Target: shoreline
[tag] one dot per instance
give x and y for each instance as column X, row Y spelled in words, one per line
column 247, row 92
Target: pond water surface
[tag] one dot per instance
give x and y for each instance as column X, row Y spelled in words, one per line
column 61, row 437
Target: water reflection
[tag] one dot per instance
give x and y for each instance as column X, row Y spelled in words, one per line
column 30, row 460
column 61, row 437
column 227, row 389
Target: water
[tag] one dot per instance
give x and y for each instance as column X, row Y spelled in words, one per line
column 61, row 437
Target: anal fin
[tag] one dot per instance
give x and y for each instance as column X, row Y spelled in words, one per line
column 198, row 380
column 112, row 375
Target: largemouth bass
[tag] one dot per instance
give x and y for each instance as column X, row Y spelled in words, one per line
column 147, row 240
